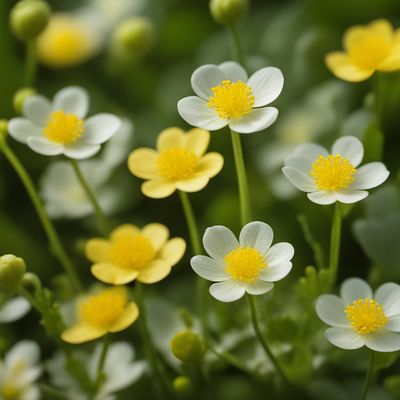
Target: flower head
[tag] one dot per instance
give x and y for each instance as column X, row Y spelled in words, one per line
column 132, row 253
column 179, row 163
column 106, row 311
column 226, row 96
column 248, row 265
column 361, row 318
column 59, row 127
column 370, row 48
column 329, row 177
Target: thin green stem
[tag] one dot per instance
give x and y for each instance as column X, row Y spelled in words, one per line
column 335, row 243
column 101, row 219
column 368, row 376
column 52, row 393
column 100, row 366
column 54, row 240
column 237, row 46
column 241, row 177
column 30, row 63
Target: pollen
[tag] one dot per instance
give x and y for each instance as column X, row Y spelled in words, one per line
column 231, row 99
column 176, row 163
column 366, row 316
column 370, row 51
column 65, row 128
column 244, row 263
column 332, row 172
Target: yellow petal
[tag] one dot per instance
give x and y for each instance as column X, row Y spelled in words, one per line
column 353, row 35
column 154, row 272
column 341, row 66
column 382, row 28
column 210, row 165
column 112, row 274
column 170, row 138
column 128, row 317
column 143, row 163
column 157, row 234
column 193, row 184
column 197, row 141
column 158, row 188
column 173, row 251
column 123, row 231
column 82, row 332
column 391, row 63
column 97, row 250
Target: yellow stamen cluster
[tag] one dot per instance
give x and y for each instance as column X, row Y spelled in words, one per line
column 65, row 128
column 244, row 263
column 176, row 163
column 232, row 99
column 332, row 172
column 366, row 316
column 370, row 51
column 10, row 392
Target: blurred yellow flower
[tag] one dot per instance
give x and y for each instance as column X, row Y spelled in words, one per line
column 106, row 311
column 370, row 48
column 146, row 255
column 178, row 163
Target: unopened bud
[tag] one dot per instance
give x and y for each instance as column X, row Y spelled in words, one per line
column 228, row 12
column 31, row 280
column 183, row 385
column 12, row 270
column 20, row 97
column 188, row 347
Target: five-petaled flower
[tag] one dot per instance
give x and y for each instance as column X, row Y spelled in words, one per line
column 360, row 318
column 334, row 177
column 226, row 96
column 248, row 265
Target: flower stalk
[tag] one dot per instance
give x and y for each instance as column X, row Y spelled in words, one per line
column 335, row 243
column 368, row 376
column 100, row 366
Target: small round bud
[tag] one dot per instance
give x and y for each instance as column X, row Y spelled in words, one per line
column 183, row 385
column 228, row 12
column 29, row 18
column 3, row 128
column 20, row 96
column 32, row 280
column 188, row 347
column 12, row 270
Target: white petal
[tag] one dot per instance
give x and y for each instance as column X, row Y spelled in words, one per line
column 383, row 341
column 299, row 179
column 100, row 128
column 349, row 196
column 208, row 268
column 393, row 324
column 37, row 109
column 233, row 71
column 43, row 146
column 258, row 235
column 26, row 350
column 227, row 291
column 218, row 241
column 310, row 151
column 258, row 287
column 330, row 309
column 388, row 295
column 345, row 338
column 14, row 309
column 276, row 273
column 21, row 129
column 72, row 99
column 130, row 374
column 266, row 84
column 301, row 163
column 204, row 78
column 349, row 147
column 79, row 151
column 258, row 120
column 370, row 175
column 31, row 393
column 196, row 112
column 279, row 253
column 322, row 197
column 354, row 289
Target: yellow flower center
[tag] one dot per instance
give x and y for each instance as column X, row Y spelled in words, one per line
column 370, row 51
column 11, row 392
column 366, row 316
column 176, row 163
column 231, row 99
column 63, row 127
column 131, row 251
column 333, row 172
column 105, row 308
column 244, row 263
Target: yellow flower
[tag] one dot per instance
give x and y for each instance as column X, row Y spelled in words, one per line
column 178, row 163
column 375, row 47
column 146, row 255
column 106, row 311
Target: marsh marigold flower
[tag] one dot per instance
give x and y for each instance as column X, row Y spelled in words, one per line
column 132, row 253
column 360, row 318
column 370, row 48
column 249, row 265
column 178, row 163
column 329, row 177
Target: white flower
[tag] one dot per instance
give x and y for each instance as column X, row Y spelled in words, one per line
column 334, row 177
column 19, row 371
column 14, row 309
column 59, row 127
column 226, row 96
column 248, row 265
column 360, row 318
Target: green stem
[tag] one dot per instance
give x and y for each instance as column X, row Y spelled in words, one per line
column 54, row 240
column 261, row 338
column 241, row 177
column 102, row 221
column 239, row 55
column 368, row 376
column 100, row 365
column 335, row 243
column 52, row 393
column 30, row 63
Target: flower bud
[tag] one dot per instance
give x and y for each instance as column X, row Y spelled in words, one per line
column 188, row 347
column 32, row 280
column 12, row 270
column 3, row 128
column 29, row 18
column 228, row 12
column 183, row 385
column 20, row 96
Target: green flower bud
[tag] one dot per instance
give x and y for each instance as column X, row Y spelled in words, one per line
column 29, row 18
column 183, row 385
column 32, row 280
column 12, row 270
column 228, row 12
column 3, row 128
column 20, row 97
column 188, row 347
